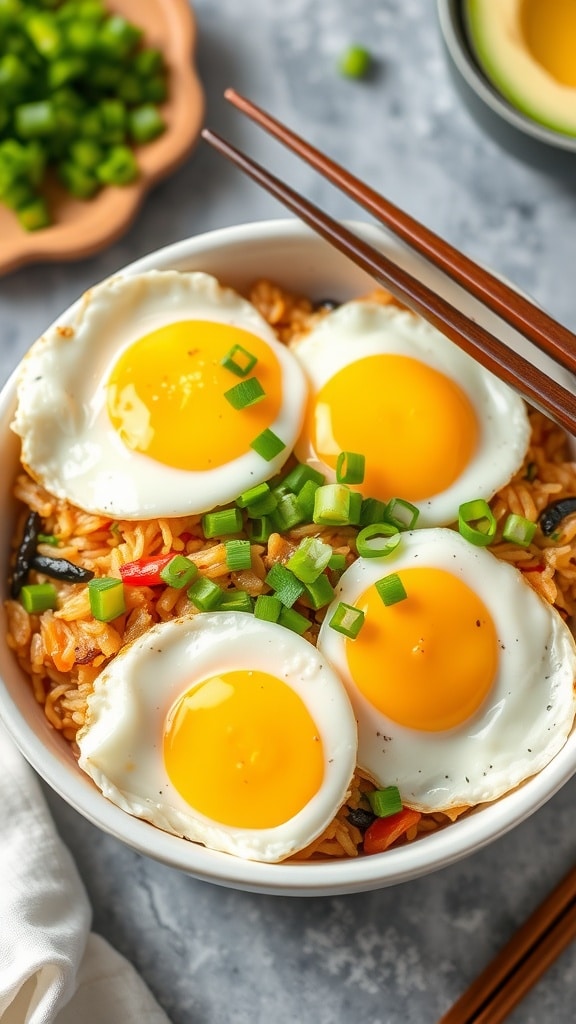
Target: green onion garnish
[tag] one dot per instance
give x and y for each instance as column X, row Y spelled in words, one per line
column 355, row 508
column 263, row 507
column 332, row 505
column 401, row 514
column 238, row 555
column 337, row 562
column 48, row 538
column 476, row 522
column 252, row 495
column 205, row 594
column 347, row 620
column 373, row 511
column 306, row 498
column 268, row 445
column 310, row 559
column 106, row 598
column 385, row 802
column 260, row 529
column 350, row 468
column 519, row 530
column 320, row 592
column 377, row 540
column 294, row 621
column 236, row 601
column 355, row 62
column 239, row 360
column 38, row 597
column 268, row 607
column 245, row 394
column 219, row 524
column 391, row 589
column 179, row 573
column 300, row 475
column 284, row 583
column 288, row 513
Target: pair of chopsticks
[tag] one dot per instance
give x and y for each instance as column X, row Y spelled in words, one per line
column 551, row 337
column 521, row 962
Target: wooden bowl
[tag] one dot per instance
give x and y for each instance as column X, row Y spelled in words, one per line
column 83, row 227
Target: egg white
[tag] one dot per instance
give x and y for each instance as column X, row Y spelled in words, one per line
column 524, row 720
column 68, row 441
column 121, row 742
column 357, row 330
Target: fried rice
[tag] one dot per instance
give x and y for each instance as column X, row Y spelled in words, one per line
column 63, row 651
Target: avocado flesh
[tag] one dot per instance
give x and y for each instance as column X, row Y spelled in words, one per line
column 495, row 32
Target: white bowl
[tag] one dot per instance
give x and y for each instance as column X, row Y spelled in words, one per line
column 288, row 252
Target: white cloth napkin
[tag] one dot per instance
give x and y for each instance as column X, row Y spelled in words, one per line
column 52, row 967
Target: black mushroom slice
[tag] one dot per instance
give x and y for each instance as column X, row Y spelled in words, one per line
column 551, row 516
column 360, row 818
column 25, row 552
column 61, row 569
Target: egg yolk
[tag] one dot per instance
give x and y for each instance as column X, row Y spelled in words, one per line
column 549, row 30
column 416, row 429
column 428, row 661
column 243, row 749
column 166, row 395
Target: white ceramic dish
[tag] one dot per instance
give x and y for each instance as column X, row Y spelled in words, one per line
column 288, row 252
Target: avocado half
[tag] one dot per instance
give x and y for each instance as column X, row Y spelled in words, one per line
column 495, row 32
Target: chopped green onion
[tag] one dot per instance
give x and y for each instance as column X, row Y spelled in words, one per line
column 306, row 498
column 38, row 597
column 476, row 522
column 260, row 529
column 355, row 509
column 385, row 802
column 285, row 584
column 218, row 524
column 320, row 592
column 518, row 530
column 332, row 505
column 205, row 594
column 294, row 621
column 355, row 62
column 35, row 120
column 245, row 394
column 264, row 507
column 377, row 540
column 268, row 445
column 236, row 601
column 179, row 573
column 119, row 167
column 337, row 562
column 350, row 468
column 34, row 215
column 252, row 495
column 347, row 620
column 239, row 361
column 309, row 559
column 268, row 607
column 48, row 538
column 238, row 555
column 300, row 475
column 391, row 589
column 288, row 513
column 281, row 490
column 401, row 513
column 144, row 122
column 373, row 511
column 106, row 596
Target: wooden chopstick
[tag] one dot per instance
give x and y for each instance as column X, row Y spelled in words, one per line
column 531, row 321
column 521, row 962
column 535, row 386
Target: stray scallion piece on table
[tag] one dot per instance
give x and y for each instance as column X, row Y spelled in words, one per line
column 78, row 89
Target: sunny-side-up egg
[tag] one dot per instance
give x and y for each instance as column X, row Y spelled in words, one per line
column 462, row 689
column 125, row 410
column 224, row 729
column 435, row 428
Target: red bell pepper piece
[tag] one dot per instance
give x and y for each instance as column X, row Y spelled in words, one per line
column 145, row 572
column 385, row 831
